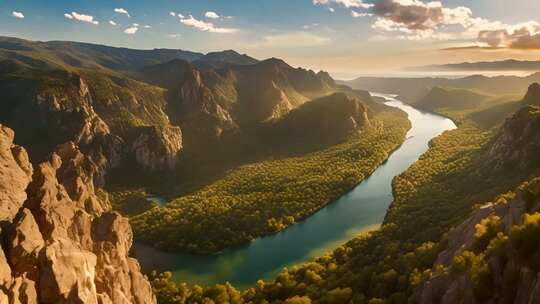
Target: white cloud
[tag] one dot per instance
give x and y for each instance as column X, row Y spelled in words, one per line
column 135, row 24
column 147, row 26
column 172, row 14
column 331, row 9
column 211, row 15
column 81, row 17
column 122, row 11
column 17, row 14
column 174, row 35
column 356, row 14
column 206, row 26
column 131, row 30
column 346, row 3
column 113, row 23
column 310, row 26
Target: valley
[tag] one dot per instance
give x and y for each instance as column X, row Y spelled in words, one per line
column 221, row 178
column 361, row 208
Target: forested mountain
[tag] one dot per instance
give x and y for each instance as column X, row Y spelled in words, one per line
column 455, row 99
column 142, row 107
column 87, row 55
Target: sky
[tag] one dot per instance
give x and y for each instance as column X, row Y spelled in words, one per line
column 344, row 37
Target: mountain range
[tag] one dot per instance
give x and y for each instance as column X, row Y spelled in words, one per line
column 502, row 65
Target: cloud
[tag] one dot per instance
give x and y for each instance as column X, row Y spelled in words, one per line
column 411, row 15
column 331, row 9
column 211, row 15
column 131, row 30
column 147, row 26
column 346, row 3
column 122, row 11
column 81, row 17
column 135, row 24
column 203, row 26
column 356, row 14
column 174, row 35
column 113, row 23
column 17, row 14
column 291, row 40
column 520, row 36
column 172, row 14
column 310, row 26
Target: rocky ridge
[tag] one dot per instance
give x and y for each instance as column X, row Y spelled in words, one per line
column 60, row 241
column 476, row 269
column 517, row 144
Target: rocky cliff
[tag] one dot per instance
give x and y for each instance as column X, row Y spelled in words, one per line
column 60, row 241
column 517, row 144
column 493, row 256
column 533, row 95
column 107, row 117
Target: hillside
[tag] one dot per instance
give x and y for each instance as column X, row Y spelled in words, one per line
column 94, row 56
column 452, row 99
column 492, row 256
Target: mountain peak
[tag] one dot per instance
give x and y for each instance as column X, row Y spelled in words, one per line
column 533, row 95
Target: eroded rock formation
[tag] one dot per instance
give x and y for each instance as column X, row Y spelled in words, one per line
column 60, row 241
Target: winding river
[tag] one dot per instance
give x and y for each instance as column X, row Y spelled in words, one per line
column 360, row 210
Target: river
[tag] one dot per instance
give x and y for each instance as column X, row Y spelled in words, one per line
column 360, row 210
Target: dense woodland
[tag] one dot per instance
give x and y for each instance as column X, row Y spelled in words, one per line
column 265, row 197
column 386, row 266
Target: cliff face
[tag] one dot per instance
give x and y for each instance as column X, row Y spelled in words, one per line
column 492, row 257
column 517, row 145
column 60, row 241
column 533, row 95
column 107, row 118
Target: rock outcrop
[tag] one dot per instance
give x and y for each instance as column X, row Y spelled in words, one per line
column 533, row 95
column 15, row 175
column 60, row 241
column 476, row 269
column 517, row 145
column 156, row 148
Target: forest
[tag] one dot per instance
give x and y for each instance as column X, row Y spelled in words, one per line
column 265, row 197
